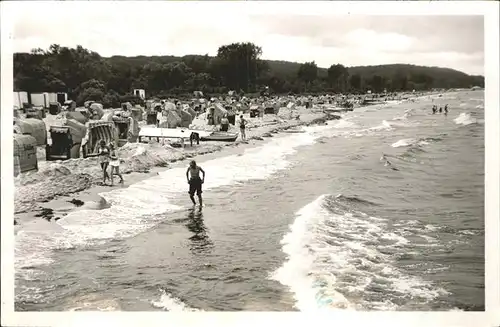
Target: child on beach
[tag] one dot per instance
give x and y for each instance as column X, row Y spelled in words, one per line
column 114, row 164
column 103, row 155
column 242, row 128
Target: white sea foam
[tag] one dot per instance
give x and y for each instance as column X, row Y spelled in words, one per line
column 343, row 124
column 408, row 113
column 171, row 304
column 409, row 142
column 295, row 273
column 332, row 262
column 384, row 126
column 465, row 119
column 404, row 142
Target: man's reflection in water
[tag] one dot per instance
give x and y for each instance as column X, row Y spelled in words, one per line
column 200, row 242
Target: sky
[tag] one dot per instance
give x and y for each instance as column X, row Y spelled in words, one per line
column 160, row 28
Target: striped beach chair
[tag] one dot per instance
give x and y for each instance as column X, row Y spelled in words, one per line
column 97, row 131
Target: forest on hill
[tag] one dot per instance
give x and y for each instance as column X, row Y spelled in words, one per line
column 85, row 75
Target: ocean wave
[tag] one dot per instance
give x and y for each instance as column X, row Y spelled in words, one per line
column 343, row 124
column 465, row 119
column 353, row 200
column 171, row 304
column 404, row 117
column 334, row 261
column 407, row 114
column 384, row 126
column 413, row 142
column 414, row 145
column 405, row 142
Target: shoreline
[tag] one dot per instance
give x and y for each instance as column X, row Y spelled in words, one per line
column 62, row 181
column 59, row 188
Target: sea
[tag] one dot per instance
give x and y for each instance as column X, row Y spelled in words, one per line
column 380, row 210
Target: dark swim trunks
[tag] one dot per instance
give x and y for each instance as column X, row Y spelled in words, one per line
column 195, row 186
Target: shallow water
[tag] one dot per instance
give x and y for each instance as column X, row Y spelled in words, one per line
column 382, row 210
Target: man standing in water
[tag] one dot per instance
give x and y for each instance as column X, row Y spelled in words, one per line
column 195, row 181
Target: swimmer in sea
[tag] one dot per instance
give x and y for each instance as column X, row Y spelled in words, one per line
column 194, row 181
column 387, row 163
column 446, row 110
column 440, row 109
column 434, row 108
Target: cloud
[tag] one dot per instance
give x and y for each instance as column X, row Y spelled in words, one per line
column 370, row 40
column 161, row 28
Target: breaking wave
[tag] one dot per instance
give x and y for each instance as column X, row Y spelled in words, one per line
column 340, row 258
column 465, row 119
column 171, row 304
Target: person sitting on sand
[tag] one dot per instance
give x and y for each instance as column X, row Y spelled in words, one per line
column 242, row 128
column 103, row 155
column 195, row 181
column 114, row 164
column 224, row 123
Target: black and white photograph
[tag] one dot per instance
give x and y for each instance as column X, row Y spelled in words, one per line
column 186, row 156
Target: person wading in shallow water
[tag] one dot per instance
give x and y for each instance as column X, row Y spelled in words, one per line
column 195, row 181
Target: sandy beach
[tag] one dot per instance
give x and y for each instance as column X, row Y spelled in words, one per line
column 49, row 192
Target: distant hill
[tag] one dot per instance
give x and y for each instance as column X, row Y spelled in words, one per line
column 287, row 69
column 438, row 73
column 85, row 75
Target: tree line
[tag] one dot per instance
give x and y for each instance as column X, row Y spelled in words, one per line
column 85, row 75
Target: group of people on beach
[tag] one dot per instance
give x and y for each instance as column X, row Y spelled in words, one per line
column 224, row 126
column 435, row 109
column 193, row 177
column 108, row 157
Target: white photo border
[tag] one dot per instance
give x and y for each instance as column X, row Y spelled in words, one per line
column 491, row 317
